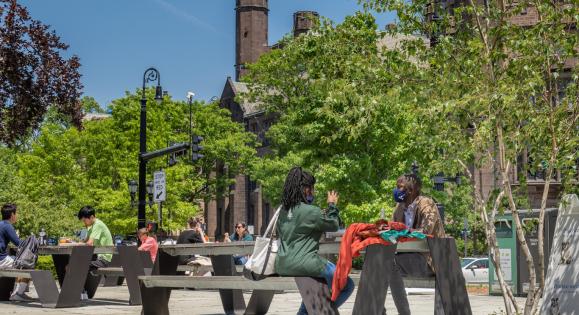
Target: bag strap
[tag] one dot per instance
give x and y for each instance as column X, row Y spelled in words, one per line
column 270, row 227
column 272, row 223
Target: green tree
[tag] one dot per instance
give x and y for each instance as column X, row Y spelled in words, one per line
column 344, row 114
column 64, row 168
column 90, row 105
column 491, row 91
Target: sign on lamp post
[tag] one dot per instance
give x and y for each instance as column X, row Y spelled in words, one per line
column 160, row 189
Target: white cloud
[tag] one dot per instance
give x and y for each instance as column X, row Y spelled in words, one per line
column 172, row 9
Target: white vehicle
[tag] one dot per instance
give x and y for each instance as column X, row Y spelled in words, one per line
column 475, row 270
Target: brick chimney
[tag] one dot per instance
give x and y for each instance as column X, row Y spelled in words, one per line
column 250, row 33
column 304, row 21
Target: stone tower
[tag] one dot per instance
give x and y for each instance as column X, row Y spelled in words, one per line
column 250, row 33
column 304, row 21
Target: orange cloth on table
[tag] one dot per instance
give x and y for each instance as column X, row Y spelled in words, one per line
column 357, row 237
column 350, row 248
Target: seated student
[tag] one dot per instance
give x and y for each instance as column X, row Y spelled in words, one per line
column 98, row 234
column 419, row 213
column 300, row 227
column 241, row 234
column 191, row 235
column 8, row 235
column 148, row 243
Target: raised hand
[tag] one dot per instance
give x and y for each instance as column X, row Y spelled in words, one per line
column 333, row 197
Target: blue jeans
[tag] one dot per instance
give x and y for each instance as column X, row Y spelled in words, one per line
column 240, row 260
column 328, row 274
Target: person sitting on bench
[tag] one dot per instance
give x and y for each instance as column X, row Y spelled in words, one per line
column 8, row 235
column 191, row 235
column 299, row 228
column 148, row 243
column 241, row 234
column 98, row 234
column 419, row 213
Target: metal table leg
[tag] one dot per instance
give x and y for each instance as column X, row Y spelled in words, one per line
column 232, row 300
column 374, row 280
column 74, row 276
column 45, row 287
column 450, row 284
column 156, row 300
column 259, row 302
column 132, row 268
column 316, row 296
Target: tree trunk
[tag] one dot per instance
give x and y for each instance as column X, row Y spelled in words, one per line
column 540, row 228
column 508, row 296
column 491, row 236
column 506, row 183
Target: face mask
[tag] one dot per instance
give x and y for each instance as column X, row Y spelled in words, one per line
column 399, row 195
column 310, row 199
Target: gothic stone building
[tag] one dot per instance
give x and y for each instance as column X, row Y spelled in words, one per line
column 244, row 202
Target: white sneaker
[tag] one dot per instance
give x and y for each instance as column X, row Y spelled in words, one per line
column 20, row 297
column 84, row 296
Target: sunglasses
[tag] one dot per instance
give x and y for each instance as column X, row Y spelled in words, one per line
column 239, row 227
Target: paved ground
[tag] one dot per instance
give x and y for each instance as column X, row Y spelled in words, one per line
column 113, row 300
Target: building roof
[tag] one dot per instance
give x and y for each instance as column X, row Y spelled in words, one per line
column 248, row 108
column 95, row 116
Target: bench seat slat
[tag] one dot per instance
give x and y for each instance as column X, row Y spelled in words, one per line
column 15, row 273
column 110, row 271
column 239, row 282
column 220, row 282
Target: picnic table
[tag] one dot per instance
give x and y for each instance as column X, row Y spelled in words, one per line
column 372, row 287
column 130, row 263
column 72, row 269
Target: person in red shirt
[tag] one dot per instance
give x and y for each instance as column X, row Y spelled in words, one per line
column 148, row 243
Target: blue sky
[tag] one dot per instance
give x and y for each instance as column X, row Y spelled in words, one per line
column 190, row 42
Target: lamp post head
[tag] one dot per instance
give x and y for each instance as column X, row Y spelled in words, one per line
column 159, row 94
column 150, row 188
column 133, row 186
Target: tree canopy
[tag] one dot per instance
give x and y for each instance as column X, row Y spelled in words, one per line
column 64, row 168
column 344, row 113
column 34, row 76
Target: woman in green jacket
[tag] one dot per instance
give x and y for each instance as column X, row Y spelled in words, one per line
column 300, row 227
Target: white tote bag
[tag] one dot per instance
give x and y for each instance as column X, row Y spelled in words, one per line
column 262, row 261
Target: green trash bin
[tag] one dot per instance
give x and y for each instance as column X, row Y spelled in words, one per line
column 512, row 258
column 507, row 241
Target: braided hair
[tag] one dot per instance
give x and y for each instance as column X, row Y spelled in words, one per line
column 293, row 188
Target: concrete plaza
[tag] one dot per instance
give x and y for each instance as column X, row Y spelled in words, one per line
column 113, row 300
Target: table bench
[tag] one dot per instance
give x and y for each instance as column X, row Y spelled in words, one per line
column 46, row 288
column 71, row 279
column 372, row 287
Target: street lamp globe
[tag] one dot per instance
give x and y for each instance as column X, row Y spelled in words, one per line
column 150, row 188
column 133, row 186
column 159, row 94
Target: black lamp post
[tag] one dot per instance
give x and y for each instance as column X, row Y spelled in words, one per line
column 150, row 75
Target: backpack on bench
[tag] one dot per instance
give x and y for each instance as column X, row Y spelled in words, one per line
column 27, row 254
